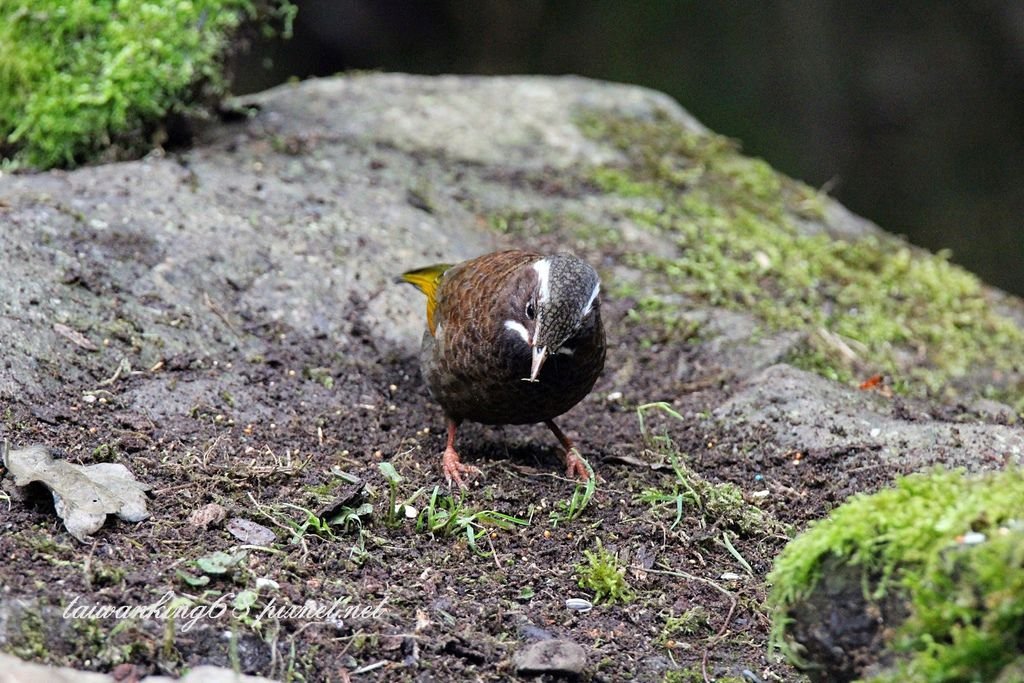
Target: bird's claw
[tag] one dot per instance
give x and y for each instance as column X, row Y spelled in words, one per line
column 576, row 467
column 453, row 469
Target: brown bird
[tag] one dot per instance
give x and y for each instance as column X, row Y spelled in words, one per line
column 513, row 337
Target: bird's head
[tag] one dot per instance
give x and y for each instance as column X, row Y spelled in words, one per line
column 552, row 301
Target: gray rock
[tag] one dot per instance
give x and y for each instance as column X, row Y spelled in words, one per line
column 821, row 418
column 234, row 235
column 739, row 342
column 994, row 411
column 14, row 670
column 209, row 674
column 550, row 656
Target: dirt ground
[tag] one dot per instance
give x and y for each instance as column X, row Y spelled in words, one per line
column 451, row 613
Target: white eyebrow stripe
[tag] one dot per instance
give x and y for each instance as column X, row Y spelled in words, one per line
column 543, row 268
column 593, row 297
column 518, row 328
column 566, row 351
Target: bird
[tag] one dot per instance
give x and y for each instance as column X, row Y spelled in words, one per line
column 512, row 337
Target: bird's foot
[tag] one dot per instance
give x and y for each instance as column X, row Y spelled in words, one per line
column 454, row 469
column 576, row 467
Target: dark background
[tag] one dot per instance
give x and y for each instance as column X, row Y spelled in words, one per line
column 910, row 113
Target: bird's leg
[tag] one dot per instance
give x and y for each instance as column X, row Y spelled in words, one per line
column 575, row 466
column 450, row 464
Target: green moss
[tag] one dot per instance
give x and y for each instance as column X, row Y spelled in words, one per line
column 77, row 76
column 966, row 599
column 693, row 674
column 602, row 574
column 691, row 622
column 320, row 375
column 688, row 675
column 719, row 504
column 29, row 641
column 734, row 222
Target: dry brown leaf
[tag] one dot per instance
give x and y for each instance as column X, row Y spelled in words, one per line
column 83, row 495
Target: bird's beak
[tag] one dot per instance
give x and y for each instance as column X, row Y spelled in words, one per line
column 540, row 353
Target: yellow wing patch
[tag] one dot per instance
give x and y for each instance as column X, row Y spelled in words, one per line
column 427, row 280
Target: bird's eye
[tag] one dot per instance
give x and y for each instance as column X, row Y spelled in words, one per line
column 531, row 310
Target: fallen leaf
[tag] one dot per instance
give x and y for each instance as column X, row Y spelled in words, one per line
column 211, row 514
column 871, row 382
column 192, row 579
column 74, row 336
column 219, row 562
column 350, row 495
column 248, row 531
column 244, row 600
column 83, row 495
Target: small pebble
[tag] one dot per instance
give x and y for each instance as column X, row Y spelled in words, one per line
column 730, row 576
column 263, row 582
column 556, row 657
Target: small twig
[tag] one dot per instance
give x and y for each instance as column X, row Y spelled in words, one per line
column 123, row 366
column 168, row 489
column 263, row 548
column 220, row 314
column 370, row 667
column 718, row 636
column 494, row 553
column 74, row 336
column 728, row 617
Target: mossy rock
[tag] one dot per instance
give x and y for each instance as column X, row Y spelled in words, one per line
column 80, row 79
column 920, row 582
column 745, row 237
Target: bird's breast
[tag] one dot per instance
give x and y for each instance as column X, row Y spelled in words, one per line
column 480, row 376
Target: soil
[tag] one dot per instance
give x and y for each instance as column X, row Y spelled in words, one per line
column 450, row 613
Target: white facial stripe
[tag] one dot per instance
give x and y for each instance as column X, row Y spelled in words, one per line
column 593, row 297
column 566, row 351
column 518, row 328
column 543, row 268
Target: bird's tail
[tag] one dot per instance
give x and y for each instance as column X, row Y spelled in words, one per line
column 428, row 281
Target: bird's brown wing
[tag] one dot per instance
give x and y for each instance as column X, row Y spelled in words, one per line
column 471, row 305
